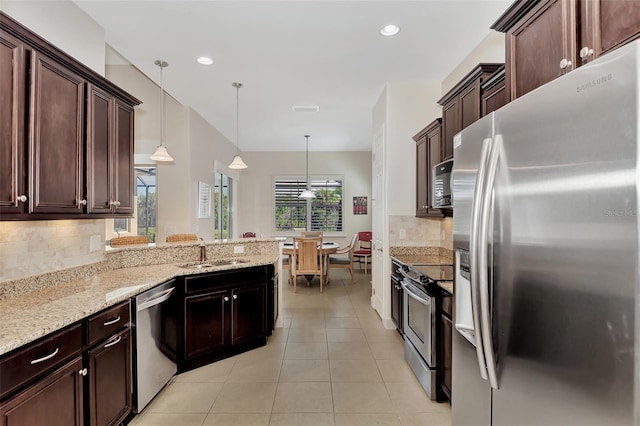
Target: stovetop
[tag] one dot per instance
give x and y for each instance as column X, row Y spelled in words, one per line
column 429, row 274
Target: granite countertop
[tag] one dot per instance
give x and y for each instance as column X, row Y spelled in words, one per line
column 29, row 316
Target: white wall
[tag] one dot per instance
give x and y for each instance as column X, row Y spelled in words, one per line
column 490, row 49
column 409, row 108
column 64, row 25
column 256, row 204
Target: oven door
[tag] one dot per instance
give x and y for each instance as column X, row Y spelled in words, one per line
column 419, row 321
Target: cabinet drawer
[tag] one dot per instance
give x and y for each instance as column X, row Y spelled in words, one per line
column 107, row 322
column 221, row 279
column 38, row 358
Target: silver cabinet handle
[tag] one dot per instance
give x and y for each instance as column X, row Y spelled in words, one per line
column 22, row 198
column 565, row 63
column 586, row 52
column 115, row 342
column 46, row 357
column 83, row 372
column 235, row 296
column 226, row 299
column 112, row 321
column 117, row 203
column 83, row 202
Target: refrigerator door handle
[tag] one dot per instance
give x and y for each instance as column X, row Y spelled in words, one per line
column 476, row 206
column 483, row 261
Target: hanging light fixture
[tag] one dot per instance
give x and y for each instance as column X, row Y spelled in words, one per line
column 161, row 153
column 307, row 194
column 237, row 162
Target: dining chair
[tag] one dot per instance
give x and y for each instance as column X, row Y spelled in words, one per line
column 307, row 259
column 286, row 264
column 311, row 233
column 341, row 261
column 129, row 241
column 181, row 238
column 249, row 235
column 363, row 251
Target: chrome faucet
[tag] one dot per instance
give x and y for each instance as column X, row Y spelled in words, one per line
column 203, row 251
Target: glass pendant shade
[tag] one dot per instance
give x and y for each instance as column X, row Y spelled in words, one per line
column 307, row 194
column 237, row 163
column 161, row 153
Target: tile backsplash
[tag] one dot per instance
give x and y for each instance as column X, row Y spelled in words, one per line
column 411, row 231
column 35, row 247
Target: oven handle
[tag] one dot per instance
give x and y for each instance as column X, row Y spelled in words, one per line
column 407, row 277
column 409, row 288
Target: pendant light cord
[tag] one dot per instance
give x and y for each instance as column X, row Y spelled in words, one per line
column 307, row 137
column 237, row 119
column 161, row 105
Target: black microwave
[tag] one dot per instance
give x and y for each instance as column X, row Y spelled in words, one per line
column 442, row 197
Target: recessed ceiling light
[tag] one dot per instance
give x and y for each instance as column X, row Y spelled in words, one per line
column 205, row 60
column 390, row 30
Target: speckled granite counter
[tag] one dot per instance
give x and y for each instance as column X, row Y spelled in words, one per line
column 46, row 307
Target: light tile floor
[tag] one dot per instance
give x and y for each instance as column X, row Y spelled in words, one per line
column 333, row 363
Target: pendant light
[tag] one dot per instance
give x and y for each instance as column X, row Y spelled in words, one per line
column 237, row 162
column 161, row 153
column 307, row 194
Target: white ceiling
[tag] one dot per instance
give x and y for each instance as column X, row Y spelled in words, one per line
column 325, row 53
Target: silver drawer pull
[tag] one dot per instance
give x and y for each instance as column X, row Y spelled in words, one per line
column 112, row 321
column 44, row 358
column 114, row 342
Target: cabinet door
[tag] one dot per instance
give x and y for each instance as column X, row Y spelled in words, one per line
column 248, row 313
column 123, row 177
column 205, row 323
column 395, row 313
column 494, row 98
column 536, row 47
column 469, row 109
column 422, row 177
column 58, row 396
column 447, row 329
column 110, row 380
column 56, row 140
column 434, row 143
column 12, row 125
column 99, row 153
column 606, row 25
column 450, row 126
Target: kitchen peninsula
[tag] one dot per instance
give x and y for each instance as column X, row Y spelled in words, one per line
column 64, row 332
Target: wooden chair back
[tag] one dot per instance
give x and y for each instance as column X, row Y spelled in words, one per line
column 249, row 235
column 307, row 259
column 311, row 233
column 181, row 238
column 129, row 240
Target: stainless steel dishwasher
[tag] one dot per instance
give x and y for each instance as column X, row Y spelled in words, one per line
column 154, row 342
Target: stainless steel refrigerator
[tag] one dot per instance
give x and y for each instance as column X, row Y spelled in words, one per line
column 545, row 204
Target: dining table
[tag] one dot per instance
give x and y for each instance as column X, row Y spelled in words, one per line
column 326, row 249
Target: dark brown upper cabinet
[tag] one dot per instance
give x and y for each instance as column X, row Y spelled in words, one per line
column 428, row 154
column 461, row 106
column 110, row 176
column 66, row 134
column 493, row 92
column 548, row 38
column 56, row 140
column 12, row 125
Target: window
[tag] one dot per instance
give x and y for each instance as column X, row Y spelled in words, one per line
column 324, row 212
column 222, row 205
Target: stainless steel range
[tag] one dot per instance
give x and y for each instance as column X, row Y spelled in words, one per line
column 421, row 296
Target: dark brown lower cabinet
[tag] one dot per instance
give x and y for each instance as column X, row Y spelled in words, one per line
column 109, row 375
column 205, row 323
column 225, row 313
column 447, row 329
column 55, row 399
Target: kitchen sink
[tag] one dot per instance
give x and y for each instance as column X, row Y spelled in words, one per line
column 196, row 265
column 213, row 263
column 223, row 262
